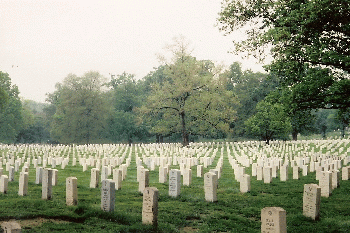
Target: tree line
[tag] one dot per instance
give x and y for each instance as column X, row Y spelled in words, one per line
column 304, row 91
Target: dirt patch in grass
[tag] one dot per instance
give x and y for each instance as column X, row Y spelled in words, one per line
column 30, row 223
column 189, row 229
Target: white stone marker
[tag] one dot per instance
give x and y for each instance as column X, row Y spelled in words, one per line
column 104, row 173
column 259, row 173
column 108, row 195
column 150, row 206
column 174, row 182
column 187, row 177
column 296, row 173
column 345, row 173
column 325, row 183
column 71, row 191
column 284, row 173
column 144, row 179
column 47, row 184
column 38, row 175
column 95, row 178
column 54, row 177
column 163, row 175
column 267, row 175
column 4, row 184
column 335, row 179
column 23, row 184
column 199, row 170
column 273, row 219
column 245, row 184
column 11, row 173
column 210, row 186
column 311, row 201
column 118, row 178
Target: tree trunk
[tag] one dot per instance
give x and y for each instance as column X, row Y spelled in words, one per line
column 185, row 140
column 295, row 135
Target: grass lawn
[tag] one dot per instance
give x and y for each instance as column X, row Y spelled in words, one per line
column 233, row 212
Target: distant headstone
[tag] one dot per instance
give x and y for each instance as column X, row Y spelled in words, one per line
column 259, row 173
column 325, row 183
column 11, row 173
column 118, row 178
column 210, row 186
column 273, row 219
column 199, row 170
column 95, row 178
column 187, row 177
column 150, row 206
column 174, row 182
column 71, row 191
column 284, row 173
column 245, row 184
column 296, row 173
column 163, row 175
column 346, row 173
column 311, row 201
column 144, row 180
column 23, row 184
column 108, row 195
column 54, row 177
column 47, row 184
column 3, row 183
column 267, row 175
column 335, row 178
column 38, row 175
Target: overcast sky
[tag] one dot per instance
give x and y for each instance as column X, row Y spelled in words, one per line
column 42, row 41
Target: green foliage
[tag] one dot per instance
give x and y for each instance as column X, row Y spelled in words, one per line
column 191, row 99
column 309, row 42
column 269, row 122
column 249, row 88
column 11, row 118
column 81, row 109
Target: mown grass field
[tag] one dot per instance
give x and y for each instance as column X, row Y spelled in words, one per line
column 234, row 212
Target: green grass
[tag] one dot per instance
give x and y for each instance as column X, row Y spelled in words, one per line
column 233, row 212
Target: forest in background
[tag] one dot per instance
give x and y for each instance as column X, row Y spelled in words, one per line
column 306, row 89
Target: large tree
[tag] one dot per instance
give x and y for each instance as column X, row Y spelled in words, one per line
column 269, row 122
column 191, row 100
column 126, row 96
column 11, row 114
column 309, row 42
column 81, row 109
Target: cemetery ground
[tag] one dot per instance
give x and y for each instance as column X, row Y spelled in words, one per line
column 233, row 212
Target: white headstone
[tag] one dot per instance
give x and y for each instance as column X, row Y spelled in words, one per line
column 108, row 195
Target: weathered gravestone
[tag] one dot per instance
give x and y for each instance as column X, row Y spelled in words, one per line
column 95, row 178
column 267, row 175
column 11, row 227
column 108, row 195
column 296, row 170
column 210, row 186
column 54, row 177
column 311, row 201
column 11, row 173
column 23, row 184
column 273, row 220
column 150, row 206
column 174, row 182
column 335, row 178
column 71, row 191
column 284, row 173
column 47, row 184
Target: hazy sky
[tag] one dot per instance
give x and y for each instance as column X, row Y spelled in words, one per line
column 42, row 41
